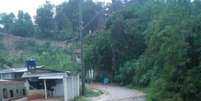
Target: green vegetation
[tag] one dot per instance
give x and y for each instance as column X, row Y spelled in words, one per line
column 80, row 99
column 49, row 25
column 92, row 92
column 52, row 22
column 89, row 93
column 153, row 44
column 44, row 53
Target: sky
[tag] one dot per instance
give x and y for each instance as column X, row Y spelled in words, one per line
column 29, row 6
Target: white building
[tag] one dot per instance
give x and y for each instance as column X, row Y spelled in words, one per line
column 10, row 90
column 44, row 83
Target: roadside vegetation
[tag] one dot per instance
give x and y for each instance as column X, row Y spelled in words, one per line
column 90, row 92
column 80, row 99
column 153, row 44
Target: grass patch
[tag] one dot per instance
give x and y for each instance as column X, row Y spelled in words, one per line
column 89, row 93
column 81, row 98
column 92, row 92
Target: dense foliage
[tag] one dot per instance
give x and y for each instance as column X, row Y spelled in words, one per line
column 14, row 54
column 59, row 22
column 54, row 23
column 154, row 44
column 144, row 43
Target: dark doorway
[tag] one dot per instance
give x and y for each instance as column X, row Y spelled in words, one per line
column 24, row 92
column 11, row 93
column 5, row 93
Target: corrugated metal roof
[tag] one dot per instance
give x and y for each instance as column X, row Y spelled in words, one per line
column 13, row 70
column 52, row 77
column 16, row 70
column 44, row 75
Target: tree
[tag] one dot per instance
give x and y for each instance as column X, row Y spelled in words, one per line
column 44, row 18
column 23, row 25
column 8, row 20
column 171, row 54
column 64, row 25
column 154, row 42
column 125, row 41
column 93, row 16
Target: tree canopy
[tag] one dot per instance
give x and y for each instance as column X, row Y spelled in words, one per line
column 153, row 44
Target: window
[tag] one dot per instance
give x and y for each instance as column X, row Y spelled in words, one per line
column 5, row 93
column 11, row 93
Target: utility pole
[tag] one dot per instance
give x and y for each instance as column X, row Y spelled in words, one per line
column 81, row 48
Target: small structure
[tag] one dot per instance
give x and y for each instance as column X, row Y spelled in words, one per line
column 11, row 90
column 13, row 73
column 38, row 82
column 44, row 83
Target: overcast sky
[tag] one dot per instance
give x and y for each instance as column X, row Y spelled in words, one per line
column 29, row 6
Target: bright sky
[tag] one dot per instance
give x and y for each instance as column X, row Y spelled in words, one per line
column 29, row 6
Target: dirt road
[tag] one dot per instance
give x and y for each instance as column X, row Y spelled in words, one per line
column 49, row 99
column 117, row 93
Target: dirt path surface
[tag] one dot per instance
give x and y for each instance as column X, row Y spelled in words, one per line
column 117, row 93
column 49, row 99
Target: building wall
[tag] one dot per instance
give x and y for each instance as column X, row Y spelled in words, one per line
column 7, row 76
column 11, row 89
column 72, row 86
column 11, row 76
column 59, row 88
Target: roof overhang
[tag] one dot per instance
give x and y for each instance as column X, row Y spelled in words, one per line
column 52, row 77
column 17, row 70
column 45, row 75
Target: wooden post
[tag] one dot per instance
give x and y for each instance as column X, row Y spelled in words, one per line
column 45, row 87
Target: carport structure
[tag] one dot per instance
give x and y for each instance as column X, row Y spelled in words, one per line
column 54, row 84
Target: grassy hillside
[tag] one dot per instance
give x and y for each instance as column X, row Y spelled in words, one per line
column 15, row 50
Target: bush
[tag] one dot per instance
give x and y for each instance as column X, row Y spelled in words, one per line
column 126, row 72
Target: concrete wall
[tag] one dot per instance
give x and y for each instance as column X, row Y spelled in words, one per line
column 11, row 76
column 7, row 76
column 15, row 87
column 59, row 88
column 71, row 87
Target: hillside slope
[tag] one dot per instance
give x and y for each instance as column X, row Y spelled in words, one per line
column 53, row 54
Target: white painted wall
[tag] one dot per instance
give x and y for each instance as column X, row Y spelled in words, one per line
column 59, row 88
column 71, row 87
column 9, row 85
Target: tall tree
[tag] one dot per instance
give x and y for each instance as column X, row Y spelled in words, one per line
column 93, row 14
column 45, row 18
column 23, row 25
column 7, row 20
